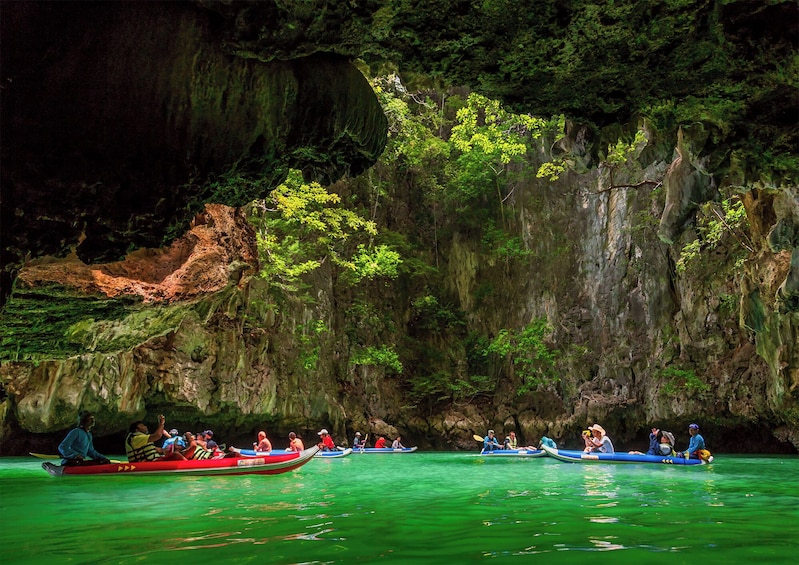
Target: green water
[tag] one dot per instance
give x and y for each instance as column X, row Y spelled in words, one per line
column 411, row 508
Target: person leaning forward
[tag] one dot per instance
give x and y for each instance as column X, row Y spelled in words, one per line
column 78, row 447
column 140, row 446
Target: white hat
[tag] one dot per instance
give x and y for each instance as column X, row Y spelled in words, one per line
column 321, row 432
column 598, row 428
column 357, row 433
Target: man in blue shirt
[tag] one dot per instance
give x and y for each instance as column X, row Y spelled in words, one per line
column 490, row 442
column 697, row 442
column 78, row 446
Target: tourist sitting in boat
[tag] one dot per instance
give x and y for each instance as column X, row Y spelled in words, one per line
column 210, row 444
column 658, row 444
column 326, row 443
column 263, row 444
column 140, row 446
column 510, row 441
column 397, row 443
column 174, row 442
column 78, row 447
column 666, row 443
column 380, row 443
column 549, row 442
column 490, row 442
column 697, row 442
column 587, row 440
column 600, row 442
column 194, row 450
column 357, row 442
column 295, row 443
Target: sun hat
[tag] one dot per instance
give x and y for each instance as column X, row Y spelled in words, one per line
column 597, row 428
column 693, row 427
column 321, row 432
column 669, row 436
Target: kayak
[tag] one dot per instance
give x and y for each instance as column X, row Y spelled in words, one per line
column 282, row 463
column 384, row 450
column 333, row 454
column 583, row 457
column 276, row 452
column 514, row 453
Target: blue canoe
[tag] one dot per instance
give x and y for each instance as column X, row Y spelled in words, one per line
column 514, row 453
column 582, row 457
column 384, row 450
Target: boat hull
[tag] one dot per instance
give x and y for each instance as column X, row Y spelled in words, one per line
column 582, row 457
column 333, row 454
column 374, row 450
column 287, row 461
column 514, row 453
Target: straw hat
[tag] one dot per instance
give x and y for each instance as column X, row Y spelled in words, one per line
column 597, row 428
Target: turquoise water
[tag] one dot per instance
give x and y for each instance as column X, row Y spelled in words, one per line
column 418, row 507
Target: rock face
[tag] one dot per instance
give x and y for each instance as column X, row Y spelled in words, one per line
column 119, row 117
column 211, row 343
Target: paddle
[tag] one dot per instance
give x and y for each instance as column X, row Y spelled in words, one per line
column 363, row 443
column 47, row 456
column 482, row 440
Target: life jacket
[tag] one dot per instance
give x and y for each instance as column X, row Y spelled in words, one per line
column 147, row 452
column 201, row 453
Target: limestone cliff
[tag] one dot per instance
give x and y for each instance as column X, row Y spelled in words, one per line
column 120, row 119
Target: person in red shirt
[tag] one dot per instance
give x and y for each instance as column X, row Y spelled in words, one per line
column 381, row 442
column 326, row 442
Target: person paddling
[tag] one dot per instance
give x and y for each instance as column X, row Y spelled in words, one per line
column 78, row 447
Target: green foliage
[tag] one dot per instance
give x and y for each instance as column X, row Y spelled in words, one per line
column 503, row 245
column 490, row 139
column 301, row 225
column 382, row 356
column 309, row 337
column 716, row 220
column 678, row 381
column 532, row 358
column 380, row 261
column 430, row 315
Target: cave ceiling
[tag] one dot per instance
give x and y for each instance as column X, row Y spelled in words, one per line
column 119, row 119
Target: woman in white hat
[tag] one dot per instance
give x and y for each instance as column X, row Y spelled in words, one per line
column 600, row 440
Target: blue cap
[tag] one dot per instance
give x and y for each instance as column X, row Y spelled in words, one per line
column 693, row 427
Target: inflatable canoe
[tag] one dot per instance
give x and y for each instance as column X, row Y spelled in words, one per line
column 514, row 453
column 273, row 465
column 384, row 450
column 277, row 452
column 582, row 457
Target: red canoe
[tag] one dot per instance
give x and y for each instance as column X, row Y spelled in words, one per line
column 272, row 465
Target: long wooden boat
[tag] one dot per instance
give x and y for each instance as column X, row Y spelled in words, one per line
column 583, row 457
column 384, row 450
column 514, row 453
column 273, row 465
